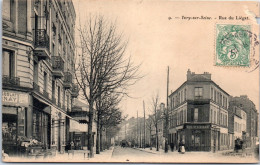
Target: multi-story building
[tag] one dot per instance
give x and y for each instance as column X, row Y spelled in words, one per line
column 199, row 114
column 249, row 108
column 37, row 82
column 237, row 120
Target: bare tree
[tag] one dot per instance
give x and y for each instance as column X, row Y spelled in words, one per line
column 105, row 105
column 149, row 126
column 101, row 64
column 109, row 115
column 156, row 117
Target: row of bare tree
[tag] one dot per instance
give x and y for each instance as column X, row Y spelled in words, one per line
column 103, row 73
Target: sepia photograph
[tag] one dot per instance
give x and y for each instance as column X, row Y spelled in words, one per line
column 130, row 81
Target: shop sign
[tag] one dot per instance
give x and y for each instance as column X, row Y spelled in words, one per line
column 15, row 98
column 198, row 126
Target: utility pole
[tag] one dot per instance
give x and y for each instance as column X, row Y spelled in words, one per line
column 144, row 124
column 140, row 133
column 125, row 130
column 137, row 130
column 167, row 115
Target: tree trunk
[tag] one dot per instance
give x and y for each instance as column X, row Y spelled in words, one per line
column 101, row 140
column 151, row 139
column 157, row 139
column 98, row 138
column 90, row 134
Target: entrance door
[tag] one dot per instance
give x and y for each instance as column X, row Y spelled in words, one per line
column 196, row 140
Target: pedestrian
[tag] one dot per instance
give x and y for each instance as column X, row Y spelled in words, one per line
column 172, row 146
column 71, row 145
column 181, row 147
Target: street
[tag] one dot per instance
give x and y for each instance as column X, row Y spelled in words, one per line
column 131, row 155
column 146, row 155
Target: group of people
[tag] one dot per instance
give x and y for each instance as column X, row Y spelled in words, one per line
column 181, row 147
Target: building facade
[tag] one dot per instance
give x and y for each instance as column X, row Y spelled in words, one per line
column 78, row 130
column 237, row 120
column 251, row 135
column 198, row 114
column 38, row 68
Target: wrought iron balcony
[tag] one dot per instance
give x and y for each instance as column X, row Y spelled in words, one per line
column 75, row 90
column 67, row 80
column 42, row 44
column 57, row 66
column 10, row 81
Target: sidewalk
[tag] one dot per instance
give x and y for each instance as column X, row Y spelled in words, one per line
column 201, row 156
column 77, row 157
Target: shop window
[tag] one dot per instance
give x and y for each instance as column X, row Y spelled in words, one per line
column 9, row 126
column 198, row 92
column 196, row 115
column 41, row 127
column 8, row 63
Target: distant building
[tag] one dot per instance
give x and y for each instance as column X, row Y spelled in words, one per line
column 251, row 120
column 199, row 114
column 160, row 128
column 78, row 130
column 237, row 120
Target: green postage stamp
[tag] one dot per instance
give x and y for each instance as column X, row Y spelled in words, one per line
column 233, row 45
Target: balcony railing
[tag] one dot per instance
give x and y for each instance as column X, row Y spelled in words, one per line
column 10, row 81
column 75, row 90
column 67, row 80
column 42, row 44
column 57, row 66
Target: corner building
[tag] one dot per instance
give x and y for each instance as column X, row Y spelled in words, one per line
column 37, row 78
column 199, row 114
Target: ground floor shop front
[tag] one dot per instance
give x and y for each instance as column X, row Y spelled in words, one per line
column 30, row 123
column 200, row 137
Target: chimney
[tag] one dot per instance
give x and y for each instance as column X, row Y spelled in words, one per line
column 207, row 75
column 243, row 96
column 188, row 74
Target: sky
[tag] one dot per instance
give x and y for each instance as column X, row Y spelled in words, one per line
column 157, row 40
